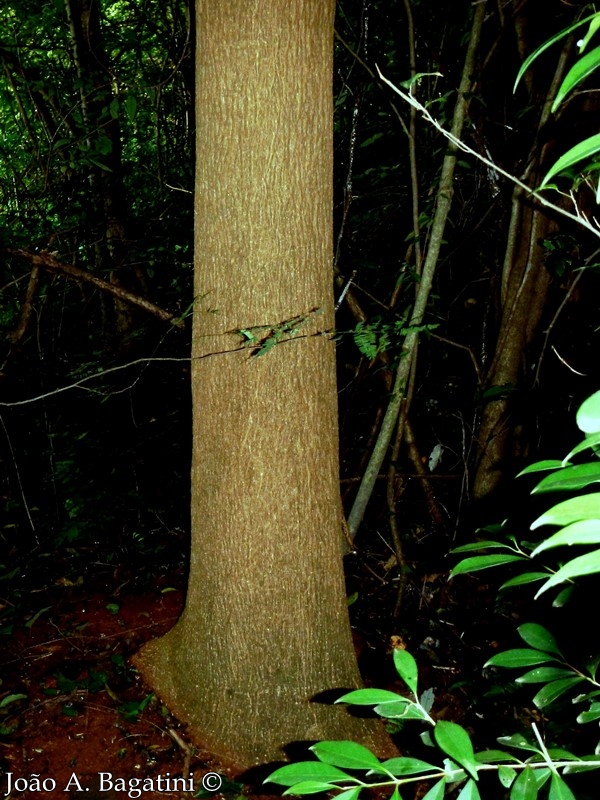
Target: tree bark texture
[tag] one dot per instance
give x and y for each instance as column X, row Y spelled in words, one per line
column 265, row 627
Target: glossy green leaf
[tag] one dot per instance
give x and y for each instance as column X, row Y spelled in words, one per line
column 524, row 579
column 548, row 43
column 585, row 531
column 559, row 789
column 437, row 791
column 588, row 564
column 469, row 791
column 571, row 510
column 478, row 563
column 581, row 151
column 406, row 667
column 582, row 68
column 591, row 715
column 538, row 637
column 290, row 774
column 506, row 775
column 309, row 787
column 368, row 697
column 525, row 787
column 541, row 466
column 594, row 25
column 588, row 415
column 560, row 754
column 569, row 479
column 456, row 743
column 592, row 440
column 403, row 709
column 518, row 741
column 519, row 657
column 552, row 691
column 345, row 754
column 544, row 675
column 349, row 794
column 474, row 546
column 407, row 766
column 576, row 767
column 494, row 757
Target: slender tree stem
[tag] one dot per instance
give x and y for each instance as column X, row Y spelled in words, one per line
column 444, row 201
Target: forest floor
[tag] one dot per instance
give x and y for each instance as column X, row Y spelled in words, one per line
column 71, row 706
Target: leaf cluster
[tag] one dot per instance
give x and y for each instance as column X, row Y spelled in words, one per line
column 588, row 63
column 454, row 762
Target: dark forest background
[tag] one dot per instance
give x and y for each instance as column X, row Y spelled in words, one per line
column 96, row 180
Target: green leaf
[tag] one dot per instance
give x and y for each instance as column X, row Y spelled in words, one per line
column 494, row 757
column 548, row 43
column 349, row 794
column 592, row 440
column 538, row 637
column 478, row 563
column 525, row 787
column 11, row 698
column 571, row 510
column 437, row 791
column 594, row 25
column 524, row 579
column 552, row 691
column 469, row 548
column 592, row 714
column 31, row 622
column 406, row 667
column 582, row 68
column 518, row 741
column 369, row 697
column 130, row 107
column 303, row 771
column 519, row 657
column 499, row 391
column 541, row 466
column 583, row 150
column 469, row 791
column 588, row 564
column 403, row 709
column 560, row 754
column 559, row 789
column 349, row 755
column 407, row 766
column 585, row 531
column 569, row 479
column 544, row 675
column 576, row 767
column 588, row 415
column 455, row 742
column 309, row 787
column 506, row 775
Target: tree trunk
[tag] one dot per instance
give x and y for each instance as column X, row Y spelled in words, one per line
column 265, row 627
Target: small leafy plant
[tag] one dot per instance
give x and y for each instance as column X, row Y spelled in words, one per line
column 577, row 519
column 347, row 768
column 586, row 151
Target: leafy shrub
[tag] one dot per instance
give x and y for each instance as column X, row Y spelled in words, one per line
column 453, row 762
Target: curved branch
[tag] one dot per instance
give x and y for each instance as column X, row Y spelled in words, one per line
column 47, row 261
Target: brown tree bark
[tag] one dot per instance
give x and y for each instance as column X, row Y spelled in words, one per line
column 265, row 626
